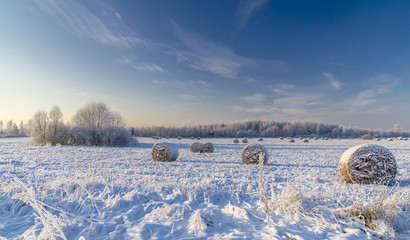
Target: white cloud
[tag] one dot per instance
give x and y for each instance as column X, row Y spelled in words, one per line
column 107, row 29
column 255, row 98
column 332, row 80
column 246, row 9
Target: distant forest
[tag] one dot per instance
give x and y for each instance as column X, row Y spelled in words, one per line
column 263, row 128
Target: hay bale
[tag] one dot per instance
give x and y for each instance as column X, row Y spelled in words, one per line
column 305, row 140
column 368, row 163
column 260, row 139
column 192, row 138
column 207, row 148
column 252, row 152
column 235, row 140
column 164, row 152
column 291, row 140
column 245, row 140
column 195, row 147
column 167, row 137
column 179, row 138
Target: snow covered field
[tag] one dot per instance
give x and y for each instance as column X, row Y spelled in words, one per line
column 120, row 193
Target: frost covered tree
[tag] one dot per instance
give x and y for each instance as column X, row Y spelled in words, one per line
column 38, row 127
column 96, row 124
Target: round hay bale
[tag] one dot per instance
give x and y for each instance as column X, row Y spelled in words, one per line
column 305, row 140
column 235, row 140
column 164, row 152
column 281, row 138
column 245, row 140
column 291, row 140
column 260, row 139
column 198, row 138
column 207, row 148
column 195, row 147
column 192, row 138
column 252, row 152
column 179, row 138
column 367, row 164
column 167, row 137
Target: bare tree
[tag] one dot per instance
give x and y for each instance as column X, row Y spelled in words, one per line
column 55, row 124
column 38, row 127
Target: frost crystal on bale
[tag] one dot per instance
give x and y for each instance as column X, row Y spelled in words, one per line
column 368, row 164
column 235, row 140
column 207, row 148
column 164, row 152
column 252, row 153
column 195, row 147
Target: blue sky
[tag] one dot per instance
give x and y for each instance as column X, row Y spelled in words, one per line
column 189, row 62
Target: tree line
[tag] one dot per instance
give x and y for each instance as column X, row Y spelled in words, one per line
column 265, row 128
column 10, row 129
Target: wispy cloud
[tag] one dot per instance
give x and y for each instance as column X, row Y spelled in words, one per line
column 206, row 55
column 102, row 24
column 161, row 82
column 246, row 9
column 187, row 97
column 280, row 88
column 257, row 98
column 332, row 80
column 144, row 66
column 375, row 87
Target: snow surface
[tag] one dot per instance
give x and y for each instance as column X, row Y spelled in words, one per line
column 72, row 192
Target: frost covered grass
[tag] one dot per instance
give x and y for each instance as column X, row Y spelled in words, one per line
column 120, row 193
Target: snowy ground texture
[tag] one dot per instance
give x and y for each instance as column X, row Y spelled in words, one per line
column 72, row 192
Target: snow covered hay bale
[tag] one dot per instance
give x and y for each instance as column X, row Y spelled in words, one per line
column 252, row 152
column 195, row 147
column 291, row 140
column 164, row 152
column 235, row 140
column 245, row 140
column 367, row 164
column 179, row 138
column 260, row 139
column 207, row 148
column 305, row 140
